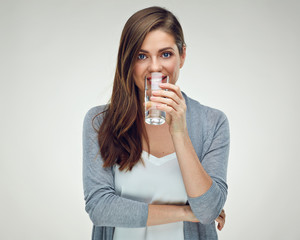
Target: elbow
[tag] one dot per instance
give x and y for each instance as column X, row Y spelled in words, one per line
column 98, row 211
column 208, row 218
column 100, row 216
column 98, row 207
column 94, row 215
column 209, row 214
column 208, row 207
column 96, row 220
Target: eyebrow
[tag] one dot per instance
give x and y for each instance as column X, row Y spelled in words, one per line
column 160, row 50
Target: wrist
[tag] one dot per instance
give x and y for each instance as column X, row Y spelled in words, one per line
column 162, row 214
column 186, row 213
column 180, row 134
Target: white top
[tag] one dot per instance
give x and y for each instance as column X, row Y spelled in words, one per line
column 158, row 182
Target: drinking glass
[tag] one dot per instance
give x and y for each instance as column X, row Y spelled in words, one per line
column 154, row 116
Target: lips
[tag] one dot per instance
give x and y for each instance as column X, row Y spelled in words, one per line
column 164, row 77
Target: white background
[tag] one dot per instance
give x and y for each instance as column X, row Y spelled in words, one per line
column 57, row 60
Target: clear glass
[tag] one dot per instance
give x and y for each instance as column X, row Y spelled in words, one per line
column 152, row 115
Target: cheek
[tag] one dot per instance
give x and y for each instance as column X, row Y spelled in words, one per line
column 136, row 76
column 139, row 82
column 173, row 69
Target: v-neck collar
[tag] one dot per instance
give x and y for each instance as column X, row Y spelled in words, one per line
column 156, row 160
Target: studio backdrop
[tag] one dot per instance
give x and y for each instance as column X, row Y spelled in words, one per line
column 57, row 60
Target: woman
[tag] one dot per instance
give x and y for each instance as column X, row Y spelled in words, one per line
column 154, row 182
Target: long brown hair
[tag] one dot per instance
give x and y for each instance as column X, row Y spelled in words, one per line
column 121, row 132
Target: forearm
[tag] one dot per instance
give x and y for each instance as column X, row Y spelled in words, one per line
column 195, row 178
column 205, row 181
column 163, row 214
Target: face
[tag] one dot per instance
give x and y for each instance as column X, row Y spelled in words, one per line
column 159, row 53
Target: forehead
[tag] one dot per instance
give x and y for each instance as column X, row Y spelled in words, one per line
column 158, row 39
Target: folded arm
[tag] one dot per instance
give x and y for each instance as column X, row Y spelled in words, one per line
column 205, row 178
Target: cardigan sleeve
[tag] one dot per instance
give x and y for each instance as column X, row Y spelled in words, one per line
column 103, row 205
column 214, row 160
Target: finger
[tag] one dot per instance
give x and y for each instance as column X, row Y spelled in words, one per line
column 172, row 87
column 168, row 109
column 221, row 219
column 220, row 227
column 176, row 113
column 222, row 214
column 166, row 101
column 167, row 94
column 150, row 105
column 221, row 223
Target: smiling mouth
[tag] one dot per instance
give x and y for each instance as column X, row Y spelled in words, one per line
column 163, row 78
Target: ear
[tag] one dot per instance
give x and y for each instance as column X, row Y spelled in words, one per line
column 182, row 56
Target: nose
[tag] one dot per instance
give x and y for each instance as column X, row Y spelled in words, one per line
column 154, row 65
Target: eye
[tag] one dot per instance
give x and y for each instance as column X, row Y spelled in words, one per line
column 141, row 56
column 166, row 54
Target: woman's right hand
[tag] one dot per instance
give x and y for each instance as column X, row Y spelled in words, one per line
column 221, row 220
column 190, row 217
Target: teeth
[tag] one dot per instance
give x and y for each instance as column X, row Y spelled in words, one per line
column 164, row 77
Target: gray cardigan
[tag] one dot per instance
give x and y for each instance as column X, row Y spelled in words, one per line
column 209, row 132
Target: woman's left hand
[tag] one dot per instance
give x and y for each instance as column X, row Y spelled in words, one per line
column 173, row 103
